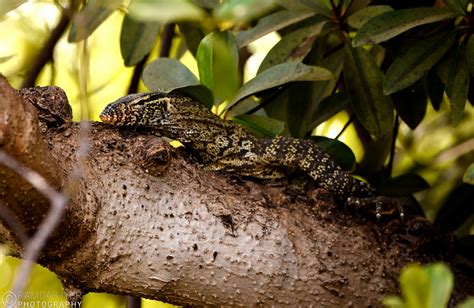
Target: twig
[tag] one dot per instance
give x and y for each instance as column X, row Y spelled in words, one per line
column 352, row 117
column 34, row 245
column 137, row 72
column 392, row 148
column 46, row 53
column 166, row 40
column 15, row 225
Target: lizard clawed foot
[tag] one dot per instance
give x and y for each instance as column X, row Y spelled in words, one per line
column 385, row 207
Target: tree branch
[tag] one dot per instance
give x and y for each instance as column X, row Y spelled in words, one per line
column 145, row 221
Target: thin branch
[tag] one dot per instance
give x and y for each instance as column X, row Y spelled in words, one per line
column 13, row 223
column 34, row 245
column 46, row 53
column 137, row 72
column 392, row 148
column 166, row 40
column 351, row 119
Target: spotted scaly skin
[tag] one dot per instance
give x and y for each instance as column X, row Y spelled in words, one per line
column 223, row 145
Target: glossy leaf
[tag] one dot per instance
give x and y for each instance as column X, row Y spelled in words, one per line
column 8, row 5
column 469, row 175
column 166, row 75
column 338, row 151
column 294, row 46
column 329, row 107
column 90, row 17
column 458, row 6
column 456, row 209
column 470, row 54
column 218, row 61
column 458, row 85
column 260, row 126
column 435, row 88
column 192, row 34
column 405, row 184
column 411, row 65
column 279, row 75
column 411, row 103
column 136, row 39
column 164, row 11
column 243, row 11
column 270, row 23
column 364, row 82
column 318, row 6
column 387, row 25
column 359, row 18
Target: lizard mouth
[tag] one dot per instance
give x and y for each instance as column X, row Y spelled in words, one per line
column 106, row 118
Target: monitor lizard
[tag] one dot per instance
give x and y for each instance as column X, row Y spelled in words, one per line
column 226, row 146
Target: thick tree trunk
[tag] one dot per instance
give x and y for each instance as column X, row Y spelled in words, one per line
column 145, row 221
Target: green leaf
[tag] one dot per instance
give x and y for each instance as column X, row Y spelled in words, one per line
column 91, row 16
column 412, row 64
column 136, row 39
column 192, row 34
column 329, row 107
column 278, row 75
column 458, row 85
column 243, row 11
column 338, row 151
column 405, row 184
column 415, row 285
column 393, row 301
column 218, row 64
column 357, row 5
column 294, row 46
column 470, row 54
column 166, row 75
column 260, row 126
column 458, row 6
column 387, row 25
column 270, row 23
column 364, row 82
column 442, row 282
column 411, row 103
column 165, row 11
column 8, row 5
column 359, row 18
column 469, row 175
column 435, row 88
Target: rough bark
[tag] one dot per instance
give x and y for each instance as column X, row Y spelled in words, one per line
column 144, row 220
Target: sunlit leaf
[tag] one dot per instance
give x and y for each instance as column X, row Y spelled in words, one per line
column 469, row 175
column 387, row 25
column 136, row 39
column 166, row 75
column 415, row 285
column 442, row 282
column 294, row 46
column 243, row 11
column 458, row 85
column 218, row 61
column 279, row 75
column 164, row 11
column 359, row 18
column 270, row 23
column 364, row 82
column 468, row 303
column 260, row 126
column 338, row 151
column 412, row 64
column 393, row 302
column 8, row 5
column 91, row 16
column 403, row 185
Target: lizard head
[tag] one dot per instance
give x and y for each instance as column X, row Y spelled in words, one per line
column 143, row 109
